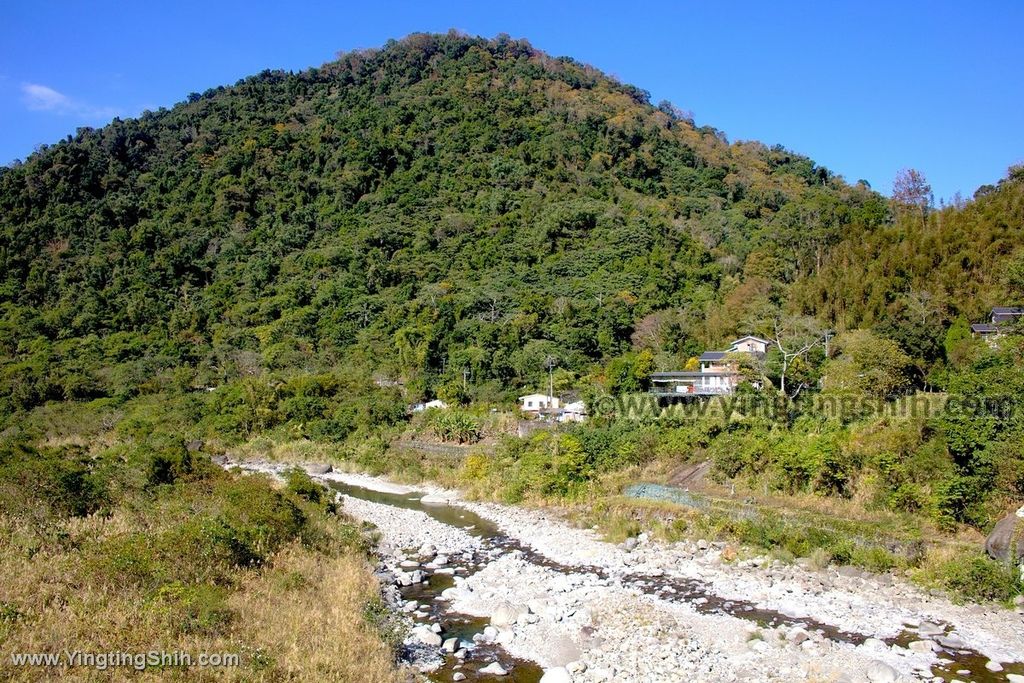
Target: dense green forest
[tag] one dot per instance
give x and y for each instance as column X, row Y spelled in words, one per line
column 449, row 216
column 442, row 204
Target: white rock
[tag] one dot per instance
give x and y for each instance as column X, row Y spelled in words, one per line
column 458, row 676
column 427, row 636
column 576, row 667
column 880, row 672
column 494, row 669
column 923, row 646
column 450, row 645
column 505, row 614
column 558, row 674
column 797, row 635
column 1015, row 678
column 993, row 666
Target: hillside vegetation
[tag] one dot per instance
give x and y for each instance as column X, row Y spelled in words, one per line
column 298, row 257
column 442, row 204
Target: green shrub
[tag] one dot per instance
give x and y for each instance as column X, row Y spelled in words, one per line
column 193, row 609
column 979, row 578
column 58, row 482
column 302, row 485
column 455, row 425
column 873, row 558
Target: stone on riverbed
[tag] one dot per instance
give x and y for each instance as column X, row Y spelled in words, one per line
column 880, row 672
column 426, row 636
column 494, row 669
column 450, row 645
column 1008, row 534
column 318, row 468
column 922, row 646
column 558, row 674
column 505, row 614
column 797, row 635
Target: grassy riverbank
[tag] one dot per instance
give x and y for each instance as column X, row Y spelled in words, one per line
column 112, row 544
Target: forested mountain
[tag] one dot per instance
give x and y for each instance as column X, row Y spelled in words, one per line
column 441, row 205
column 444, row 212
column 282, row 266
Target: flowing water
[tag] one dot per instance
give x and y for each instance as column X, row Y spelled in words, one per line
column 960, row 663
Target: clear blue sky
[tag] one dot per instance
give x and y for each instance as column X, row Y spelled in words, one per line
column 865, row 88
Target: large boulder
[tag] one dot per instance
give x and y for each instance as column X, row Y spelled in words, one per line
column 506, row 614
column 880, row 672
column 318, row 468
column 1007, row 536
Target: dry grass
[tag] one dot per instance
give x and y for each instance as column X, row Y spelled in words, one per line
column 306, row 614
column 299, row 618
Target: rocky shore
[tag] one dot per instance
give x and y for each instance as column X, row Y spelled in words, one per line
column 586, row 610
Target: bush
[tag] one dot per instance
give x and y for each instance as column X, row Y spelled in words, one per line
column 193, row 609
column 302, row 485
column 169, row 464
column 59, row 482
column 455, row 425
column 978, row 578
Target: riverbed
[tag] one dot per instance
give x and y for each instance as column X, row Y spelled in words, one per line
column 491, row 588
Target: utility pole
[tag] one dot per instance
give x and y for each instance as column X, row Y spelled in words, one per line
column 465, row 375
column 828, row 335
column 550, row 362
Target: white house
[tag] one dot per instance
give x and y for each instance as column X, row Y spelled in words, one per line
column 573, row 412
column 719, row 371
column 750, row 344
column 436, row 403
column 535, row 403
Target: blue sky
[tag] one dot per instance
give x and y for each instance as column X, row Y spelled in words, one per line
column 864, row 88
